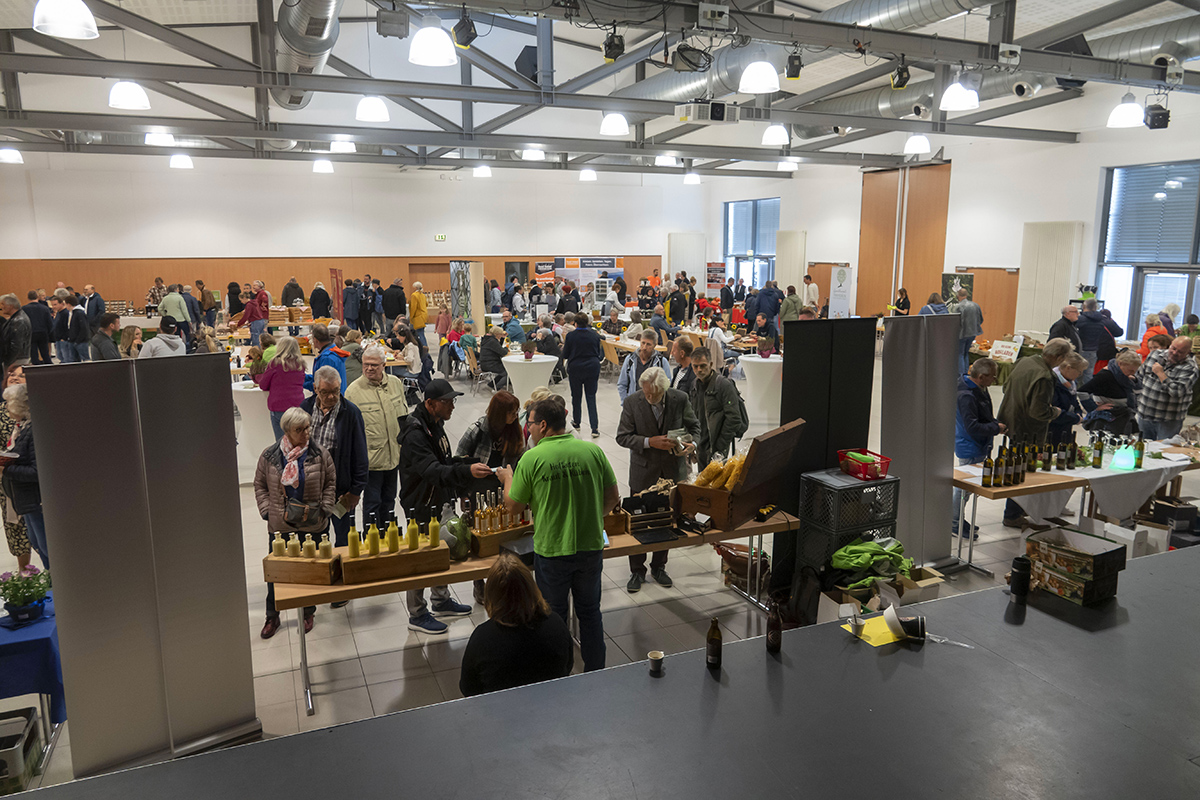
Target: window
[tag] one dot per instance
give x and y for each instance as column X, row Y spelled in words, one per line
column 750, row 230
column 1149, row 242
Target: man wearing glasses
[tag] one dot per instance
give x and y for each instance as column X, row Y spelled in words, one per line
column 430, row 477
column 380, row 398
column 570, row 486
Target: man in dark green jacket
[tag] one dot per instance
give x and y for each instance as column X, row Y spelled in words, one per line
column 715, row 400
column 1028, row 406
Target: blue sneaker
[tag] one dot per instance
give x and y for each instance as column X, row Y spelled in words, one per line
column 449, row 608
column 427, row 624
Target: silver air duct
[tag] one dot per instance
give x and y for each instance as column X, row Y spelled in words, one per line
column 723, row 77
column 1180, row 39
column 304, row 37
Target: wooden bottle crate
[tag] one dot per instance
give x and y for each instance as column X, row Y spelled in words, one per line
column 313, row 571
column 488, row 544
column 385, row 566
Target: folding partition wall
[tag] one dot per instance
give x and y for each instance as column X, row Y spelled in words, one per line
column 138, row 473
column 920, row 373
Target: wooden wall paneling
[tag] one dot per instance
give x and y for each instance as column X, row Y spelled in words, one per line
column 996, row 293
column 925, row 232
column 822, row 275
column 434, row 276
column 876, row 241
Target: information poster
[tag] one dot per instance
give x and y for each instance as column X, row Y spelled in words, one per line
column 841, row 280
column 587, row 269
column 1005, row 351
column 951, row 283
column 543, row 272
column 715, row 277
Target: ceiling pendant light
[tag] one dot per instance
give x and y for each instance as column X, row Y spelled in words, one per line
column 665, row 161
column 533, row 155
column 776, row 136
column 181, row 161
column 340, row 146
column 787, row 166
column 323, row 165
column 759, row 77
column 371, row 109
column 431, row 45
column 10, row 156
column 963, row 94
column 614, row 125
column 1129, row 114
column 691, row 179
column 160, row 140
column 64, row 19
column 482, row 171
column 587, row 174
column 128, row 96
column 917, row 144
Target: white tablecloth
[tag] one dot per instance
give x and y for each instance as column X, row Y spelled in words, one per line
column 255, row 434
column 525, row 375
column 764, row 387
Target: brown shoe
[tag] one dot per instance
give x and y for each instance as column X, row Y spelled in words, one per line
column 308, row 622
column 271, row 627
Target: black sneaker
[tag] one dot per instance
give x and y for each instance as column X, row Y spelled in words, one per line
column 635, row 583
column 662, row 578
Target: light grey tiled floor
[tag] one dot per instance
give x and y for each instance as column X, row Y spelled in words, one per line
column 365, row 662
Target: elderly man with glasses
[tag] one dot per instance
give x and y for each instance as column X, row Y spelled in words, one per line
column 380, row 398
column 337, row 425
column 975, row 424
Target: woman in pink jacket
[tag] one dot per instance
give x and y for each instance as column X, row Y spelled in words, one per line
column 283, row 381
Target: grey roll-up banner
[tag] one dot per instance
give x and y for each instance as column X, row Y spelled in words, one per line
column 917, row 427
column 139, row 487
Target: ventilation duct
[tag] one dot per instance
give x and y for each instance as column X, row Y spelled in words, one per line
column 304, row 37
column 723, row 77
column 1179, row 40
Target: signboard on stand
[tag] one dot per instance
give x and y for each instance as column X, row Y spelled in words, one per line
column 1005, row 351
column 715, row 277
column 587, row 269
column 841, row 280
column 543, row 272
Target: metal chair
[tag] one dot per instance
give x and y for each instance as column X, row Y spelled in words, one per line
column 479, row 378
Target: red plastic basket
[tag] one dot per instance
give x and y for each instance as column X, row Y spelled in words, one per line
column 864, row 472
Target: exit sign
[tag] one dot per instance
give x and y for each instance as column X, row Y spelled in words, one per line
column 439, row 237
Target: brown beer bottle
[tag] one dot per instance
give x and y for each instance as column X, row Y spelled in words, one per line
column 774, row 628
column 988, row 466
column 712, row 646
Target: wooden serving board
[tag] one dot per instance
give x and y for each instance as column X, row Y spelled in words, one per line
column 386, row 566
column 488, row 544
column 312, row 571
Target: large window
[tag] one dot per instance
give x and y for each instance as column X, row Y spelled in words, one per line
column 750, row 229
column 1148, row 248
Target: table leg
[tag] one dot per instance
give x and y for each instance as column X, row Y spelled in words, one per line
column 962, row 518
column 50, row 732
column 753, row 592
column 308, row 700
column 1082, row 499
column 971, row 540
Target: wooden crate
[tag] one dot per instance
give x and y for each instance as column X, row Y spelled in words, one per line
column 617, row 523
column 385, row 566
column 488, row 544
column 312, row 571
column 766, row 459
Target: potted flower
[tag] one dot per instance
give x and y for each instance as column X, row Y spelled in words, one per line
column 529, row 347
column 24, row 593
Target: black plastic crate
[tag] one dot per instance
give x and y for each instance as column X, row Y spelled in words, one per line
column 837, row 501
column 817, row 544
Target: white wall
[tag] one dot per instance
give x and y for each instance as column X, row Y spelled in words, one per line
column 62, row 206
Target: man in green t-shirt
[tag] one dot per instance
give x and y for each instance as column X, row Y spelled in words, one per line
column 570, row 486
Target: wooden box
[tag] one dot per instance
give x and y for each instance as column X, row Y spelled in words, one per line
column 385, row 566
column 617, row 523
column 312, row 571
column 488, row 544
column 758, row 485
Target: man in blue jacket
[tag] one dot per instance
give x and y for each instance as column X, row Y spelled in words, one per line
column 327, row 355
column 1094, row 330
column 93, row 305
column 512, row 328
column 974, row 424
column 337, row 425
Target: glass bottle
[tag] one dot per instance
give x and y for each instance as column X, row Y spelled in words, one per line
column 712, row 646
column 352, row 541
column 1000, row 478
column 278, row 546
column 293, row 546
column 325, row 549
column 435, row 532
column 373, row 539
column 988, row 466
column 393, row 538
column 309, row 550
column 1097, row 451
column 411, row 533
column 774, row 628
column 1072, row 453
column 1060, row 457
column 1009, row 468
column 1139, row 452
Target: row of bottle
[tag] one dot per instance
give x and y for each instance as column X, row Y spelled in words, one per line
column 490, row 515
column 294, row 549
column 414, row 538
column 1013, row 462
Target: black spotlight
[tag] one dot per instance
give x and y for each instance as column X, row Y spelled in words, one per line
column 900, row 77
column 794, row 64
column 614, row 47
column 1157, row 116
column 464, row 31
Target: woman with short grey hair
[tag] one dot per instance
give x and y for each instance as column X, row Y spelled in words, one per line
column 20, row 476
column 295, row 487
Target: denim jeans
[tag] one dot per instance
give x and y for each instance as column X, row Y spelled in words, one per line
column 964, row 359
column 210, row 318
column 35, row 526
column 257, row 328
column 577, row 577
column 1157, row 429
column 66, row 352
column 957, row 501
column 379, row 501
column 584, row 385
column 185, row 333
column 420, row 334
column 276, row 428
column 1090, row 355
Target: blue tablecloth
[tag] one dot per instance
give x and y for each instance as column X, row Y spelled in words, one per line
column 30, row 664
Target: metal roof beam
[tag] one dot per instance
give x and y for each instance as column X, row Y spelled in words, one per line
column 172, row 38
column 429, row 115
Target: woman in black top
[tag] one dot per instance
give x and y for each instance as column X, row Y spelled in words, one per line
column 233, row 294
column 583, row 353
column 320, row 302
column 622, row 290
column 902, row 305
column 522, row 642
column 647, row 298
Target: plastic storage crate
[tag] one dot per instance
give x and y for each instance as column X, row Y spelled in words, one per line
column 817, row 544
column 20, row 749
column 837, row 501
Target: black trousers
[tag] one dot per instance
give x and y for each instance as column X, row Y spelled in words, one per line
column 271, row 612
column 379, row 501
column 637, row 563
column 39, row 348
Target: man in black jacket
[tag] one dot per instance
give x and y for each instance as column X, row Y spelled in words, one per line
column 16, row 336
column 288, row 297
column 431, row 476
column 103, row 346
column 1095, row 330
column 678, row 303
column 70, row 329
column 1065, row 328
column 41, row 324
column 727, row 298
column 337, row 425
column 395, row 304
column 93, row 304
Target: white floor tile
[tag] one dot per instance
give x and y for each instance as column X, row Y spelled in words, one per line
column 274, row 688
column 330, row 678
column 347, row 705
column 395, row 665
column 279, row 719
column 374, row 641
column 404, row 694
column 323, row 651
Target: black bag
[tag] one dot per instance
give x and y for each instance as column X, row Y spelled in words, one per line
column 298, row 514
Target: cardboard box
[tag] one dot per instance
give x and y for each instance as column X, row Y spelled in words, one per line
column 1074, row 552
column 1074, row 587
column 923, row 584
column 1134, row 539
column 1173, row 512
column 836, row 605
column 1158, row 537
column 756, row 487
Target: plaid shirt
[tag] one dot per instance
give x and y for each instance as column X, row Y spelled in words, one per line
column 155, row 295
column 323, row 428
column 1166, row 400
